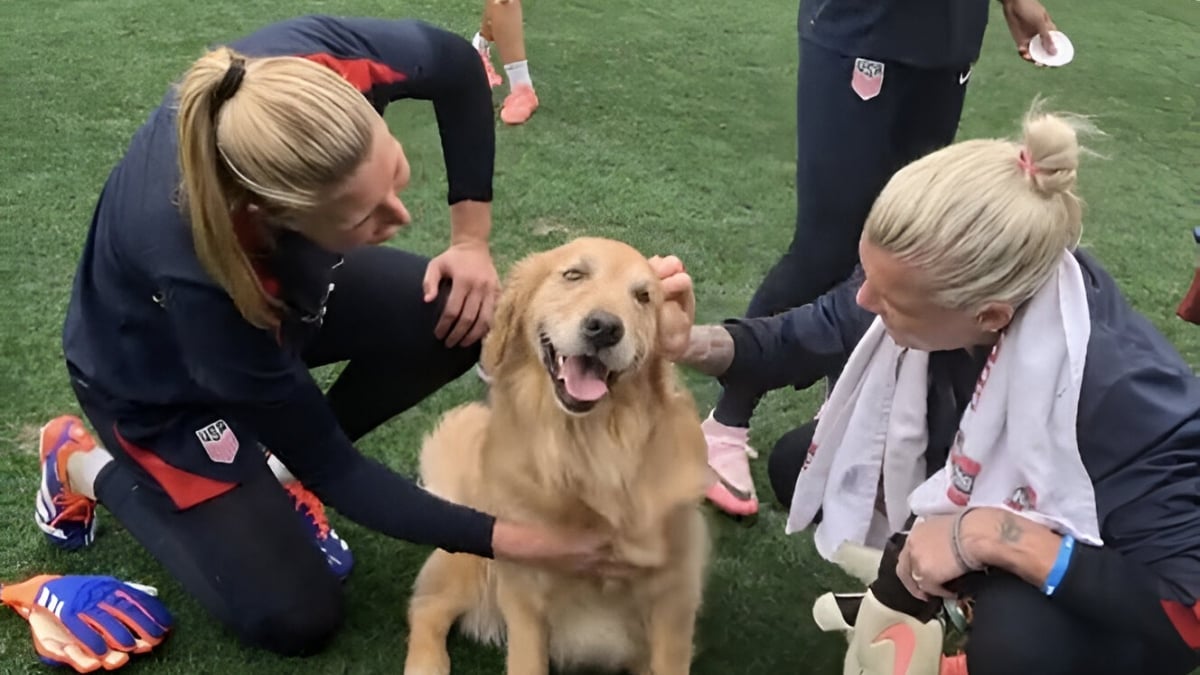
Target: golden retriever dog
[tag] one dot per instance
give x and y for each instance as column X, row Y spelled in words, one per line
column 586, row 427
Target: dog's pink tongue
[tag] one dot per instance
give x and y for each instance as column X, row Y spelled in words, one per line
column 582, row 383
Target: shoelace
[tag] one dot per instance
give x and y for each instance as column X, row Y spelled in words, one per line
column 74, row 507
column 316, row 510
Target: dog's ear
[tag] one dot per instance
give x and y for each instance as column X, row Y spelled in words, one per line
column 518, row 288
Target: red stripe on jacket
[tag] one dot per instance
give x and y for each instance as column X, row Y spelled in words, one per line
column 364, row 74
column 184, row 488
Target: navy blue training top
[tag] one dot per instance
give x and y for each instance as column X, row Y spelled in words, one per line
column 150, row 331
column 921, row 33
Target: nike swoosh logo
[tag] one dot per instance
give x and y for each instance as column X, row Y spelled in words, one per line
column 905, row 640
column 737, row 492
column 963, row 77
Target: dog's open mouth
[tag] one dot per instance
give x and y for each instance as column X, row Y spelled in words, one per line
column 580, row 381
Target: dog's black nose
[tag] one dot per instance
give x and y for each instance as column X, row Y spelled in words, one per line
column 602, row 329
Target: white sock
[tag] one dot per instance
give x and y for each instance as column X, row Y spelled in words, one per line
column 83, row 468
column 481, row 42
column 518, row 73
column 281, row 472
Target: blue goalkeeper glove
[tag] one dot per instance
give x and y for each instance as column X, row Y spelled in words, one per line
column 88, row 622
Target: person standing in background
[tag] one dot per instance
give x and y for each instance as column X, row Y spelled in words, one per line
column 503, row 24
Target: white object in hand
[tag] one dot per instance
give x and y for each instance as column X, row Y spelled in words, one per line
column 1065, row 51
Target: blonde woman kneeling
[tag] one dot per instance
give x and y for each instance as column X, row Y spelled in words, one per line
column 1004, row 425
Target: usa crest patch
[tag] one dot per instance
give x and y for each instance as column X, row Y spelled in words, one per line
column 867, row 79
column 219, row 442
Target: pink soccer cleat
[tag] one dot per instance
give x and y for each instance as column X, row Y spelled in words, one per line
column 519, row 105
column 729, row 455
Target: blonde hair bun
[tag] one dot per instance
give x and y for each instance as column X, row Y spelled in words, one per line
column 1052, row 141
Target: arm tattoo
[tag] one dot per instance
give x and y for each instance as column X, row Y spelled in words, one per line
column 1010, row 530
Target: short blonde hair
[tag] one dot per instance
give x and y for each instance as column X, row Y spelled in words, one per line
column 278, row 132
column 987, row 219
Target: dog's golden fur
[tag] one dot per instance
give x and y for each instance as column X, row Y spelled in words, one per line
column 634, row 465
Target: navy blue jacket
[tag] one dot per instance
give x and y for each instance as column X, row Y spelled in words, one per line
column 1138, row 421
column 921, row 33
column 151, row 333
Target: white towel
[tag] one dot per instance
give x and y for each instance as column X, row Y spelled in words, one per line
column 1016, row 447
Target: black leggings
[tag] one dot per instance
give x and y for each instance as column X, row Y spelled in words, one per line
column 846, row 151
column 245, row 555
column 1105, row 619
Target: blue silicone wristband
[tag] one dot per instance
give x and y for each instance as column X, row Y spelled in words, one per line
column 1061, row 563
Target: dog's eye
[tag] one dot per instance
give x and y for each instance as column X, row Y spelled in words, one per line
column 642, row 296
column 573, row 275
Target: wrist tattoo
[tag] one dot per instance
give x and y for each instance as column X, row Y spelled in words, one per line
column 1010, row 529
column 710, row 350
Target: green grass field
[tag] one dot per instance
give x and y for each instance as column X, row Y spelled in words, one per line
column 668, row 126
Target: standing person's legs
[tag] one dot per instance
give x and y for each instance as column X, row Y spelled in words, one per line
column 504, row 23
column 242, row 554
column 932, row 108
column 850, row 141
column 931, row 111
column 483, row 44
column 378, row 321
